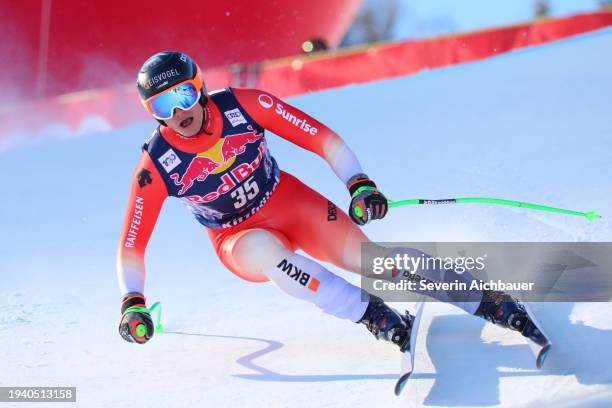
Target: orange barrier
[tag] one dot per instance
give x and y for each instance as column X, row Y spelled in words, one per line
column 102, row 109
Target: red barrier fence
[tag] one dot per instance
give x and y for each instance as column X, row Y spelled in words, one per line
column 397, row 59
column 113, row 107
column 62, row 46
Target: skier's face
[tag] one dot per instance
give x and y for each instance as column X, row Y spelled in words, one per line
column 187, row 122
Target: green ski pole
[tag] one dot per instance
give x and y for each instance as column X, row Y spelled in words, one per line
column 590, row 215
column 141, row 329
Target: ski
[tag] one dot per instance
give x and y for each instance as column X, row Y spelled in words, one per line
column 539, row 343
column 408, row 354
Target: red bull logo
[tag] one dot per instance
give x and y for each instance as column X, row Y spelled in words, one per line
column 234, row 145
column 198, row 170
column 215, row 160
column 230, row 179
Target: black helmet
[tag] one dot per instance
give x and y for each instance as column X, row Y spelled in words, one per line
column 165, row 70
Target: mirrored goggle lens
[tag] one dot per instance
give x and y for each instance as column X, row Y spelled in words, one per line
column 183, row 96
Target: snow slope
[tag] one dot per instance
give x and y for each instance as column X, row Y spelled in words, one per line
column 532, row 125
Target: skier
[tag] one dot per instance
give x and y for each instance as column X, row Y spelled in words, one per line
column 209, row 150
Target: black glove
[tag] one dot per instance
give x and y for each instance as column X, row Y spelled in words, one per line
column 136, row 325
column 367, row 202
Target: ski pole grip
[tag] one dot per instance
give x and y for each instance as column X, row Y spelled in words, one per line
column 141, row 330
column 361, row 190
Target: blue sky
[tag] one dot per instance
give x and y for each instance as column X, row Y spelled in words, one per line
column 433, row 17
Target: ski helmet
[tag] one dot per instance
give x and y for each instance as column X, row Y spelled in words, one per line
column 169, row 80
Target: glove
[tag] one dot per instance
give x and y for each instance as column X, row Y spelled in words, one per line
column 136, row 325
column 367, row 202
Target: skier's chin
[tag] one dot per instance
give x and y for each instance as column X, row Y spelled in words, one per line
column 187, row 127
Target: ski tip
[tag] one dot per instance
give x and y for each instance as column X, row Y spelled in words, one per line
column 399, row 385
column 542, row 356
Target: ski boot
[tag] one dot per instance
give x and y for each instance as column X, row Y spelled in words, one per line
column 387, row 324
column 505, row 311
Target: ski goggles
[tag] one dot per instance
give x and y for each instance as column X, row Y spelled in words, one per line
column 184, row 96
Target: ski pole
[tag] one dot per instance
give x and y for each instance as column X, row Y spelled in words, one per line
column 141, row 329
column 590, row 215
